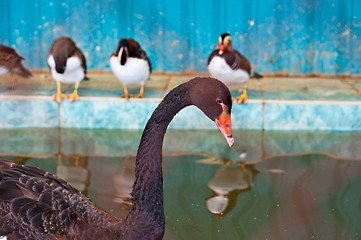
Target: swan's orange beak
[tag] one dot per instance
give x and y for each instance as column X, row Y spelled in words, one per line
column 224, row 125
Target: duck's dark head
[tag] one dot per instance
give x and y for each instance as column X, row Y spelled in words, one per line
column 123, row 51
column 214, row 99
column 224, row 42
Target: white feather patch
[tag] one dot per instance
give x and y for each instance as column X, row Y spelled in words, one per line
column 120, row 53
column 3, row 238
column 3, row 70
column 134, row 71
column 219, row 69
column 73, row 73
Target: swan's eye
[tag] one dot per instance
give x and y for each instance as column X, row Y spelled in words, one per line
column 219, row 101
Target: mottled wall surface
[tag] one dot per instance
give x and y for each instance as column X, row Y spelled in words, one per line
column 278, row 36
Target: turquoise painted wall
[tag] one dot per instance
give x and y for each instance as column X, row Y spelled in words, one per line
column 278, row 36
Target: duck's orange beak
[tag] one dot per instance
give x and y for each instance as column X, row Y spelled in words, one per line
column 225, row 126
column 221, row 49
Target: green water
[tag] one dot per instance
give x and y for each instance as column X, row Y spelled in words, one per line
column 270, row 185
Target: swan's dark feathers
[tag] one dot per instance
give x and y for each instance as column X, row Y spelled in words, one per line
column 37, row 200
column 8, row 190
column 206, row 92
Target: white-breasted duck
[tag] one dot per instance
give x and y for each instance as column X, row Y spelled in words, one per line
column 229, row 66
column 10, row 62
column 35, row 204
column 130, row 65
column 68, row 65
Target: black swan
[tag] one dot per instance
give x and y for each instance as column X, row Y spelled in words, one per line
column 67, row 65
column 10, row 61
column 35, row 204
column 130, row 65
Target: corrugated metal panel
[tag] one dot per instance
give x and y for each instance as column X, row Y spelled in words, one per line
column 277, row 36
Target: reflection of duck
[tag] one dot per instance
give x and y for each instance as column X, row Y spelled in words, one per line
column 10, row 61
column 67, row 64
column 75, row 173
column 20, row 159
column 123, row 182
column 37, row 204
column 226, row 185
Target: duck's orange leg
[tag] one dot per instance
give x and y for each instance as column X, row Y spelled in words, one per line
column 59, row 96
column 141, row 93
column 243, row 97
column 74, row 96
column 126, row 93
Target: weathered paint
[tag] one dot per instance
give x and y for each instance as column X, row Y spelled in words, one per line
column 278, row 36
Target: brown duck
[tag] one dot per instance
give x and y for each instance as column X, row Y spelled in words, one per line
column 35, row 204
column 67, row 65
column 230, row 67
column 10, row 61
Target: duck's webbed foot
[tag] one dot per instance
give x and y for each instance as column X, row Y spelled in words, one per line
column 73, row 97
column 242, row 98
column 141, row 93
column 126, row 94
column 58, row 97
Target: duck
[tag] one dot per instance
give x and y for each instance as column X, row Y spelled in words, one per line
column 67, row 64
column 130, row 64
column 35, row 204
column 10, row 62
column 231, row 67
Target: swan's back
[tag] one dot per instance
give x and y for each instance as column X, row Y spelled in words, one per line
column 35, row 204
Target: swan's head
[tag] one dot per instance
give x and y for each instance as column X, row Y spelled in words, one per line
column 214, row 99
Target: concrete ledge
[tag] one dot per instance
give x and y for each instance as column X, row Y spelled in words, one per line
column 274, row 104
column 27, row 113
column 312, row 115
column 115, row 113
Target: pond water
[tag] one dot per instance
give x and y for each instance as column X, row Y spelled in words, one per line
column 270, row 185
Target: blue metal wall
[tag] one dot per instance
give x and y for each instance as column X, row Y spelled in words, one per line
column 277, row 36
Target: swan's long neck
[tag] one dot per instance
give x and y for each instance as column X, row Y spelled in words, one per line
column 147, row 191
